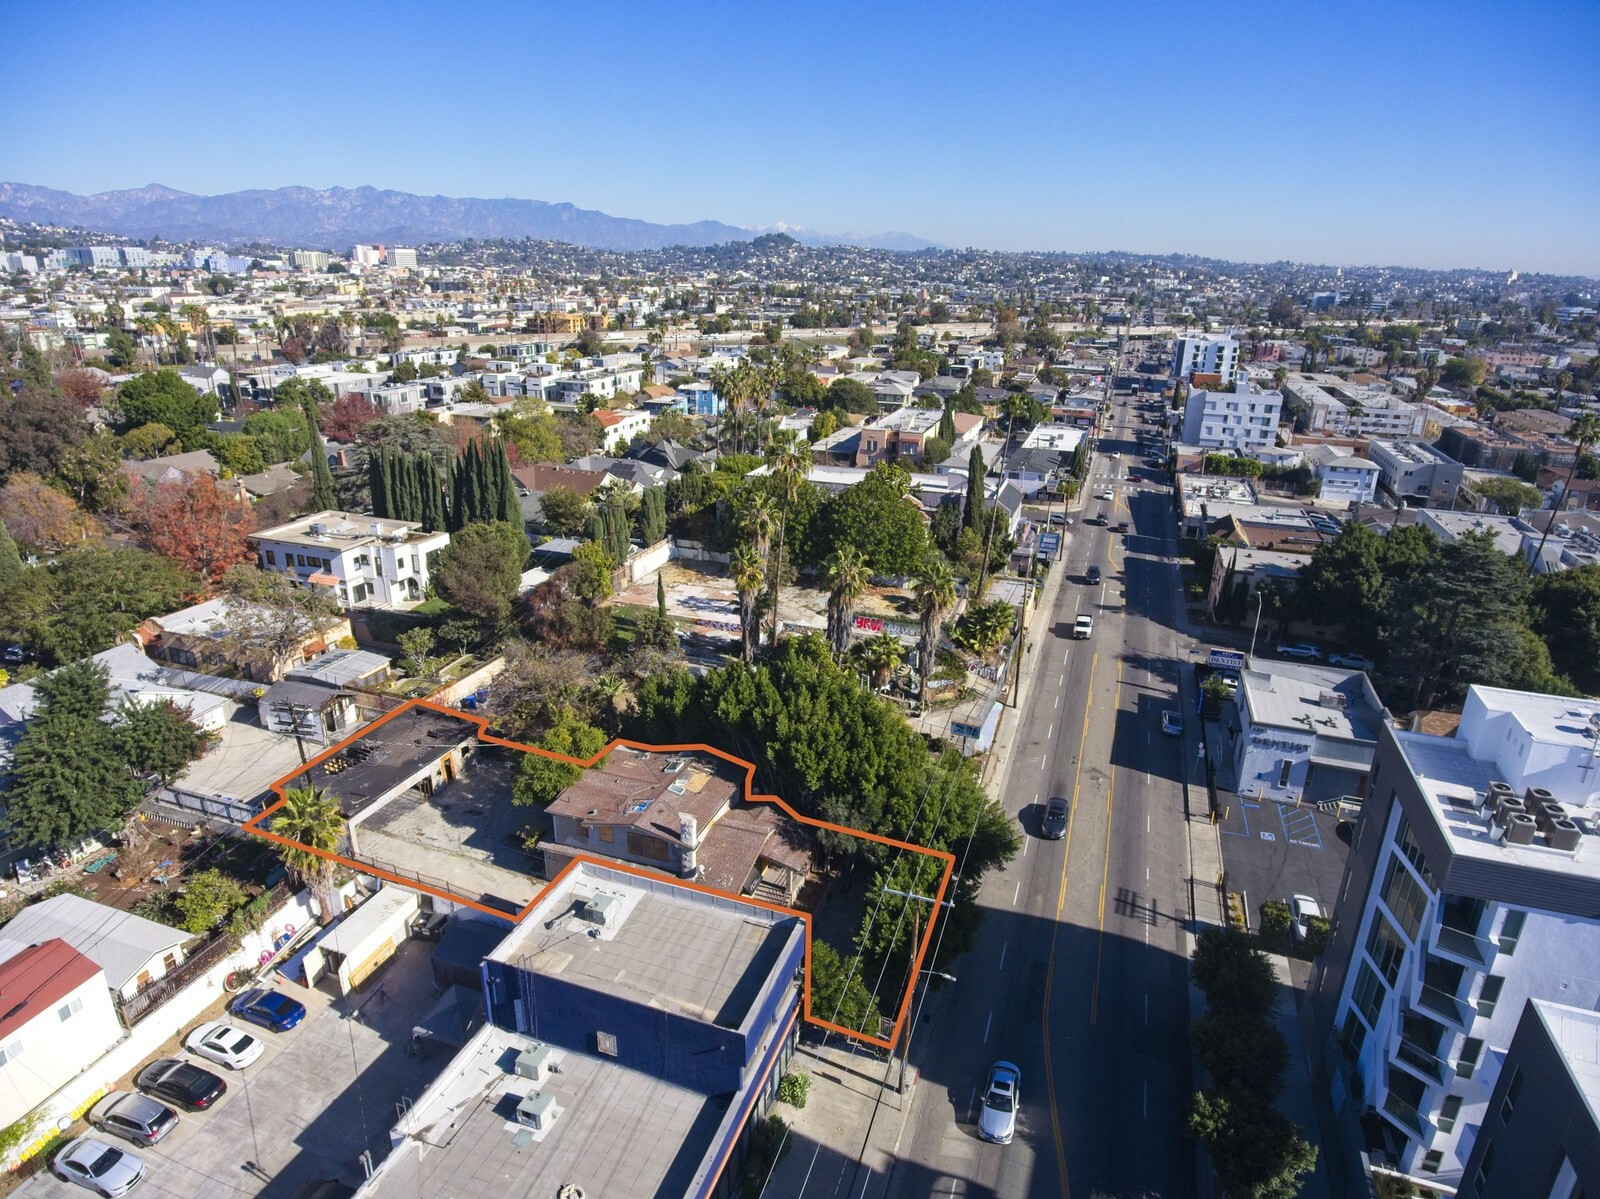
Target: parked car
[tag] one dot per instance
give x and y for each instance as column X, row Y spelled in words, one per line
column 1172, row 722
column 99, row 1166
column 1353, row 661
column 1300, row 649
column 189, row 1086
column 133, row 1117
column 226, row 1044
column 270, row 1009
column 1303, row 909
column 1054, row 824
column 997, row 1117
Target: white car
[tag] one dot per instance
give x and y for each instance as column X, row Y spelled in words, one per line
column 1353, row 661
column 1303, row 909
column 98, row 1166
column 997, row 1118
column 226, row 1044
column 1107, row 494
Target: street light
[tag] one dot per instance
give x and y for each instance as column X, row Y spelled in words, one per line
column 905, row 1056
column 1257, row 627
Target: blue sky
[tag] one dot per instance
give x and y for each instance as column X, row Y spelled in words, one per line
column 1407, row 131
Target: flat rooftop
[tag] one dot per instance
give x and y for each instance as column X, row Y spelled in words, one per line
column 621, row 1134
column 1453, row 781
column 388, row 753
column 721, row 949
column 343, row 530
column 1576, row 1033
column 1289, row 696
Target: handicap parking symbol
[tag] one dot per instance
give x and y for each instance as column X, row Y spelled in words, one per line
column 1266, row 836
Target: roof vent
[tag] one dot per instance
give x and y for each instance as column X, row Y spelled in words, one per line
column 673, row 766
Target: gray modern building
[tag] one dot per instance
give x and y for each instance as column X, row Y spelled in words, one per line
column 1540, row 1138
column 1472, row 888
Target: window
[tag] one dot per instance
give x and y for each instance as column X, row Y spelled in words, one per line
column 1448, row 1111
column 10, row 1052
column 1489, row 995
column 1404, row 897
column 1432, row 1160
column 1385, row 948
column 1353, row 1036
column 1367, row 997
column 1513, row 1089
column 1408, row 846
column 653, row 848
column 1511, row 930
column 272, row 557
column 1285, row 765
column 1481, row 1179
column 68, row 1010
column 607, row 834
column 1471, row 1054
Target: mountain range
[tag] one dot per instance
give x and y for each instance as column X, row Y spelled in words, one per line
column 337, row 217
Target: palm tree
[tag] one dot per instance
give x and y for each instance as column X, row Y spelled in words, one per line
column 879, row 655
column 744, row 568
column 1585, row 430
column 760, row 524
column 1280, row 376
column 847, row 580
column 936, row 596
column 790, row 461
column 311, row 818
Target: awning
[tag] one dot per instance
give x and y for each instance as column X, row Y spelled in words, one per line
column 323, row 579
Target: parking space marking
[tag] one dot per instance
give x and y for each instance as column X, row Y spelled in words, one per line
column 1300, row 826
column 1244, row 815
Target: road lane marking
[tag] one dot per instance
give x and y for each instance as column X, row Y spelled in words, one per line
column 1016, row 893
column 1147, row 1007
column 987, row 1024
column 1105, row 870
column 1003, row 960
column 1057, row 704
column 1147, row 1099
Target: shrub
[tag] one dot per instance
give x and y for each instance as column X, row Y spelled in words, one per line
column 1275, row 921
column 794, row 1088
column 769, row 1143
column 1316, row 935
column 1233, row 973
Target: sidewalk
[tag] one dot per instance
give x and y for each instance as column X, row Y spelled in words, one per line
column 851, row 1100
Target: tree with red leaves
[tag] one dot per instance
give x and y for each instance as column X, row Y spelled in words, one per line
column 345, row 418
column 194, row 523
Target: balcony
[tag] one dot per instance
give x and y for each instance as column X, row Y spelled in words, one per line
column 1422, row 1062
column 1475, row 952
column 1444, row 1005
column 1406, row 1117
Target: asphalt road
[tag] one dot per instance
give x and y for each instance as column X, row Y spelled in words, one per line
column 1080, row 977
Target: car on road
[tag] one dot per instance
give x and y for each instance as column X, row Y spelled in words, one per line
column 226, row 1044
column 182, row 1083
column 1172, row 722
column 133, row 1117
column 1060, row 518
column 1107, row 494
column 1115, row 455
column 997, row 1117
column 1122, row 526
column 1054, row 824
column 1083, row 627
column 98, row 1166
column 1353, row 661
column 1092, row 575
column 270, row 1009
column 1300, row 649
column 1303, row 909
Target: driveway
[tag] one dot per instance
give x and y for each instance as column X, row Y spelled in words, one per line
column 320, row 1096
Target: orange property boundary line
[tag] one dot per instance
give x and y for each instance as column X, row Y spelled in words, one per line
column 257, row 826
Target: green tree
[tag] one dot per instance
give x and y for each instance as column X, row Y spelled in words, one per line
column 879, row 518
column 270, row 618
column 324, row 496
column 1345, row 583
column 790, row 461
column 748, row 575
column 151, row 441
column 839, row 993
column 10, row 559
column 310, row 817
column 121, row 351
column 208, row 898
column 1234, row 975
column 281, row 433
column 87, row 600
column 1565, row 612
column 164, row 397
column 541, row 779
column 565, row 511
column 847, row 582
column 481, row 569
column 879, row 655
column 1462, row 372
column 1508, row 496
column 936, row 596
column 653, row 515
column 68, row 774
column 417, row 642
column 972, row 510
column 1256, row 1151
column 851, row 395
column 157, row 739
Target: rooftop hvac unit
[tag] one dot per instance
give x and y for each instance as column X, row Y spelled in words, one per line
column 535, row 1062
column 603, row 910
column 1507, row 809
column 538, row 1111
column 317, row 530
column 1549, row 814
column 1497, row 794
column 1520, row 829
column 1538, row 795
column 1332, row 699
column 1564, row 834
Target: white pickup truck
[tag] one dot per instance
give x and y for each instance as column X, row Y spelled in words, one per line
column 1083, row 627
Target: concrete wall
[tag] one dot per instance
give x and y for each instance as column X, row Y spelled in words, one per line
column 649, row 560
column 147, row 1037
column 451, row 694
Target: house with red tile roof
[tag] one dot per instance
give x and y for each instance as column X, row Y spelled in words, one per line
column 56, row 1020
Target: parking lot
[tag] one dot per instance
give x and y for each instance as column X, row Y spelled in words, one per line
column 1274, row 850
column 320, row 1096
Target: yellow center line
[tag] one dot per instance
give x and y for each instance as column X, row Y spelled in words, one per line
column 1105, row 869
column 1050, row 969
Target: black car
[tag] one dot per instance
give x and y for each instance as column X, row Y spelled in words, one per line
column 1092, row 575
column 182, row 1083
column 1054, row 825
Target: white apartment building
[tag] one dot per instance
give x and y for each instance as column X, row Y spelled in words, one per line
column 360, row 559
column 1206, row 356
column 1416, row 471
column 402, row 257
column 1473, row 887
column 1344, row 477
column 1324, row 403
column 601, row 383
column 308, row 260
column 1240, row 420
column 366, row 255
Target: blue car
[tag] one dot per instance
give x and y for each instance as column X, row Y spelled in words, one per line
column 270, row 1009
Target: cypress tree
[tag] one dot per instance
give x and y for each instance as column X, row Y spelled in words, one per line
column 470, row 473
column 431, row 500
column 947, row 423
column 661, row 597
column 972, row 514
column 508, row 506
column 10, row 559
column 597, row 527
column 617, row 529
column 458, row 495
column 379, row 482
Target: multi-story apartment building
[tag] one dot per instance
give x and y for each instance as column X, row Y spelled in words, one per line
column 1205, row 356
column 1324, row 403
column 1416, row 471
column 308, row 260
column 1473, row 887
column 1240, row 420
column 360, row 559
column 402, row 257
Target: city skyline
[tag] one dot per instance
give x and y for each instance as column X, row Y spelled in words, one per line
column 1369, row 136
